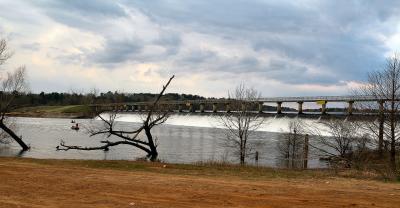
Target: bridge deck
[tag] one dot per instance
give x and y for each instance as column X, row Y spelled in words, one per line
column 272, row 100
column 267, row 100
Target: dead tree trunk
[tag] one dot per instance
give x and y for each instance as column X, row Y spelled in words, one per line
column 14, row 136
column 380, row 134
column 153, row 148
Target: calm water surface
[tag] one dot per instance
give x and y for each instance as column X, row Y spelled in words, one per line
column 183, row 139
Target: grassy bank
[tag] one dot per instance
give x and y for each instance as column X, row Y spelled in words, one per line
column 208, row 169
column 70, row 111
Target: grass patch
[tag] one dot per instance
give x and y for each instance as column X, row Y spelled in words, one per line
column 204, row 169
column 54, row 111
column 208, row 169
column 76, row 109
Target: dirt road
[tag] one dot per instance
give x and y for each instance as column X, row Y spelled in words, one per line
column 31, row 184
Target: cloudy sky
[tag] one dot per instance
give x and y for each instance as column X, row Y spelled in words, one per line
column 282, row 48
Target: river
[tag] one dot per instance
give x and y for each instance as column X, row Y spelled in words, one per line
column 182, row 139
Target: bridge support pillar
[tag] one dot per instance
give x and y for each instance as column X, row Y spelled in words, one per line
column 228, row 108
column 300, row 108
column 202, row 107
column 191, row 108
column 323, row 108
column 244, row 107
column 260, row 107
column 215, row 108
column 350, row 108
column 167, row 107
column 279, row 107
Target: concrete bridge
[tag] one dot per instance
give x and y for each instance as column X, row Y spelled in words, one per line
column 225, row 105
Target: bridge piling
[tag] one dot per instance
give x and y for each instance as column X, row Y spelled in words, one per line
column 244, row 107
column 215, row 108
column 350, row 108
column 279, row 108
column 323, row 108
column 227, row 108
column 260, row 107
column 191, row 108
column 202, row 107
column 300, row 107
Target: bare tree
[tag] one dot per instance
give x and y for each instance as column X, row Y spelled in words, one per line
column 384, row 85
column 155, row 116
column 241, row 123
column 5, row 53
column 342, row 137
column 11, row 85
column 91, row 96
column 338, row 140
column 291, row 145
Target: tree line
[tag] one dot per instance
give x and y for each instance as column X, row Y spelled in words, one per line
column 72, row 98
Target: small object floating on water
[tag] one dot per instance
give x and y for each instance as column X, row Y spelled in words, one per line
column 76, row 127
column 72, row 121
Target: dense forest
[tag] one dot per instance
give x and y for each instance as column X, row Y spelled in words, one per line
column 55, row 98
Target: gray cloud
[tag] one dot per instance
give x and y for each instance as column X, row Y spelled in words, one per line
column 81, row 14
column 330, row 35
column 116, row 52
column 31, row 46
column 198, row 57
column 307, row 42
column 171, row 41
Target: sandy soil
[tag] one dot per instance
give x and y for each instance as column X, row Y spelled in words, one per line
column 29, row 184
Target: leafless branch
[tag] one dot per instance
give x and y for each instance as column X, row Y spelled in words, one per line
column 153, row 118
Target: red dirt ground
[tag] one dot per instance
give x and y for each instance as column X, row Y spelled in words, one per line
column 29, row 184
